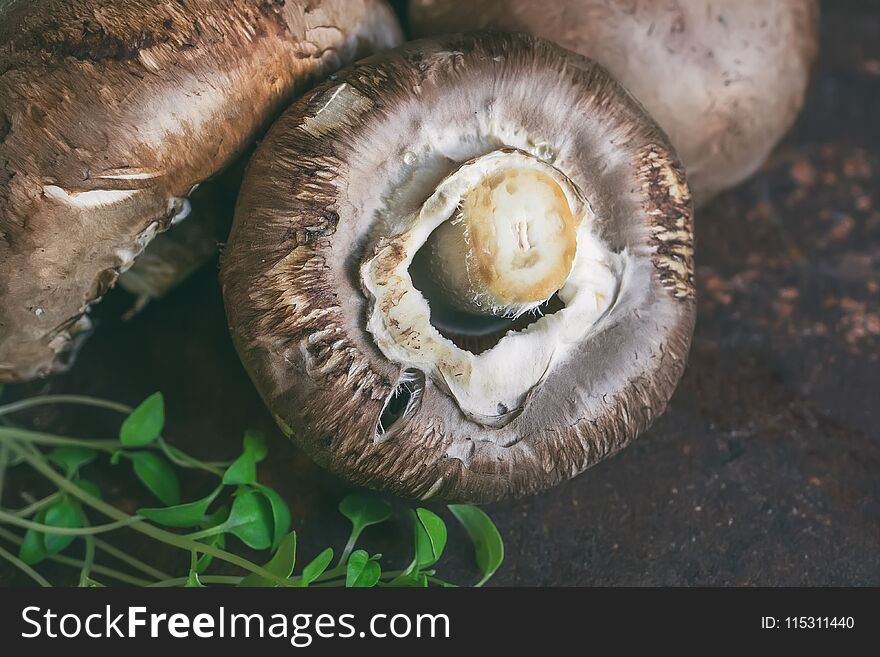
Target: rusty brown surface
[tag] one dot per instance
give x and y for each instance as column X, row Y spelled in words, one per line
column 766, row 468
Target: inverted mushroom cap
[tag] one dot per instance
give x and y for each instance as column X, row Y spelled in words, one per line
column 725, row 79
column 111, row 111
column 354, row 180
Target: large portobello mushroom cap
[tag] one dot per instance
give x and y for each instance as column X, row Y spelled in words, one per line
column 509, row 170
column 112, row 111
column 724, row 78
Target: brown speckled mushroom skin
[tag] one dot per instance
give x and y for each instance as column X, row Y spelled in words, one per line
column 724, row 78
column 306, row 218
column 111, row 111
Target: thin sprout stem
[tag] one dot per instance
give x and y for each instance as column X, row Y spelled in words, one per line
column 175, row 455
column 333, row 573
column 204, row 579
column 349, row 546
column 184, row 460
column 88, row 561
column 337, row 581
column 23, row 567
column 339, row 572
column 12, row 519
column 31, row 509
column 328, row 584
column 78, row 563
column 145, row 568
column 4, row 460
column 442, row 583
column 81, row 400
column 125, row 578
column 40, row 464
column 40, row 438
column 210, row 531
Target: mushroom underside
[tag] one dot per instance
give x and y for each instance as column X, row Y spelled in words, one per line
column 356, row 180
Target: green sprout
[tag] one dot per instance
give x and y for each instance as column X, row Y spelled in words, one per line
column 237, row 506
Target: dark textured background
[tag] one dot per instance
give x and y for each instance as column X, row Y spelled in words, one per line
column 764, row 471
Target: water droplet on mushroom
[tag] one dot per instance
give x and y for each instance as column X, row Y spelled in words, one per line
column 544, row 151
column 409, row 158
column 39, row 312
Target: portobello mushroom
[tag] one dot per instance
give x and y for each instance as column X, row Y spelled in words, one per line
column 112, row 112
column 444, row 286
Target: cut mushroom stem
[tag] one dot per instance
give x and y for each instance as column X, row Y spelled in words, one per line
column 510, row 246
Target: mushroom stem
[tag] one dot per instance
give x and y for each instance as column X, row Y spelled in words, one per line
column 508, row 249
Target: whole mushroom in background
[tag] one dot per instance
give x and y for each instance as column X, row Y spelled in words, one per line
column 725, row 79
column 449, row 174
column 112, row 112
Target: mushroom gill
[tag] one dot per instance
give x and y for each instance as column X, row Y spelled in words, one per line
column 449, row 173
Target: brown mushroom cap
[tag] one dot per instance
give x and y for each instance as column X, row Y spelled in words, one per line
column 335, row 196
column 112, row 111
column 724, row 78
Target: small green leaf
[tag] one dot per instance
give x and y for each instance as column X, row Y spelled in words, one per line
column 190, row 514
column 285, row 557
column 157, row 475
column 316, row 567
column 430, row 537
column 33, row 548
column 255, row 444
column 192, row 581
column 363, row 571
column 244, row 469
column 364, row 511
column 145, row 423
column 88, row 486
column 280, row 514
column 71, row 459
column 217, row 541
column 251, row 520
column 487, row 540
column 281, row 564
column 65, row 514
